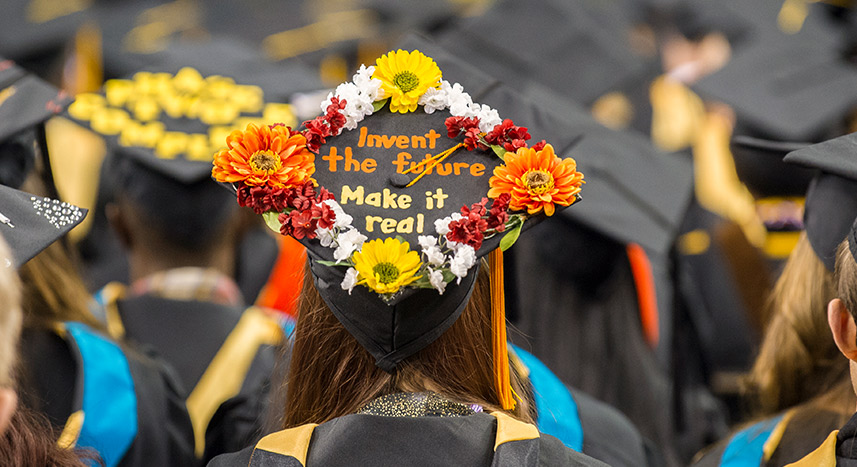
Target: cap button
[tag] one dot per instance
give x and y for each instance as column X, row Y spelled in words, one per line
column 399, row 180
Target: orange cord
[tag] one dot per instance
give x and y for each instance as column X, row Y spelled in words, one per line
column 502, row 381
column 644, row 280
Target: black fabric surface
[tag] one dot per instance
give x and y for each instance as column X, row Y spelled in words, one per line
column 53, row 384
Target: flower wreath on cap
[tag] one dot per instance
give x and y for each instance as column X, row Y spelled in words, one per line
column 271, row 168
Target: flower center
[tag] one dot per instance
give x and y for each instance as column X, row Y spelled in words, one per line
column 538, row 181
column 265, row 161
column 387, row 272
column 406, row 81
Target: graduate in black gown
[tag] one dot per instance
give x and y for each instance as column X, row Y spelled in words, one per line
column 182, row 235
column 96, row 393
column 840, row 446
column 400, row 346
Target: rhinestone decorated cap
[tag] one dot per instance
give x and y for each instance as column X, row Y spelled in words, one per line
column 30, row 223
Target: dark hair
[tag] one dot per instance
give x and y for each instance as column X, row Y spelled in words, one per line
column 331, row 375
column 30, row 440
column 845, row 277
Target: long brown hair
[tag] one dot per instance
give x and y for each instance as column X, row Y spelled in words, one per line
column 30, row 441
column 54, row 291
column 331, row 375
column 10, row 317
column 798, row 361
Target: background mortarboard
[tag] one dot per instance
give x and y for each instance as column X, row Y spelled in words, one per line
column 787, row 90
column 831, row 200
column 26, row 102
column 554, row 44
column 761, row 168
column 220, row 61
column 37, row 221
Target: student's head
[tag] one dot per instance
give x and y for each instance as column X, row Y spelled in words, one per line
column 168, row 221
column 842, row 311
column 457, row 365
column 10, row 328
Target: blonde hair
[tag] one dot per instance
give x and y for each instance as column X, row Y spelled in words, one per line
column 10, row 317
column 798, row 361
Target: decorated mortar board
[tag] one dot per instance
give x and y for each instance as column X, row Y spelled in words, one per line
column 30, row 223
column 831, row 200
column 583, row 59
column 396, row 191
column 26, row 102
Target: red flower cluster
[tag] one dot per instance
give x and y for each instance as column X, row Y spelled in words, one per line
column 329, row 124
column 470, row 127
column 508, row 135
column 307, row 213
column 264, row 198
column 478, row 219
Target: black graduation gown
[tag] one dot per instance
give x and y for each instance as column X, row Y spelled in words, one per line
column 580, row 421
column 130, row 405
column 788, row 436
column 192, row 336
column 361, row 439
column 838, row 449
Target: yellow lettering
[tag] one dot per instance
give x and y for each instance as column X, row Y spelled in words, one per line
column 352, row 195
column 404, row 201
column 373, row 199
column 370, row 222
column 197, row 148
column 142, row 135
column 420, row 222
column 388, row 226
column 405, row 225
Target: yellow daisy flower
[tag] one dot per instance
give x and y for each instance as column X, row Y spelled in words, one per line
column 386, row 265
column 405, row 77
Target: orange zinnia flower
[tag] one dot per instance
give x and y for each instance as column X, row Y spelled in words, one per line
column 264, row 156
column 536, row 180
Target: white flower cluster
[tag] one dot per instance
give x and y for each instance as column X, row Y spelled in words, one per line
column 343, row 238
column 460, row 104
column 446, row 254
column 359, row 95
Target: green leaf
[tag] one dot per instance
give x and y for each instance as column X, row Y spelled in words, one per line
column 510, row 238
column 272, row 221
column 500, row 151
column 448, row 276
column 400, row 239
column 378, row 105
column 334, row 263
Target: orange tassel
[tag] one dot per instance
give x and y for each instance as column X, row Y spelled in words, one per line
column 502, row 379
column 641, row 270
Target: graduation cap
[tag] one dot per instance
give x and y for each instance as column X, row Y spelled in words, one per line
column 760, row 166
column 787, row 90
column 831, row 200
column 30, row 223
column 424, row 185
column 30, row 29
column 582, row 59
column 26, row 102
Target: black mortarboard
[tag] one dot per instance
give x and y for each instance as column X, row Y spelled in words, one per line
column 831, row 200
column 546, row 43
column 787, row 90
column 760, row 166
column 26, row 102
column 163, row 124
column 365, row 168
column 30, row 223
column 29, row 29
